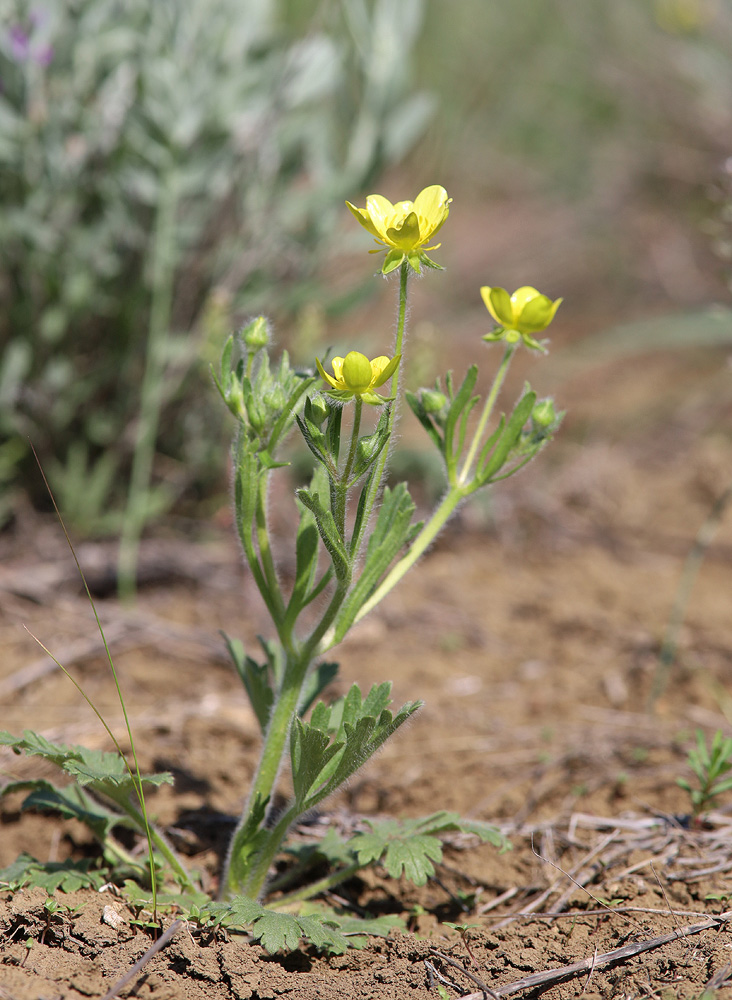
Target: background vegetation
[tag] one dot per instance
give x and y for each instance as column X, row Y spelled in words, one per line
column 177, row 166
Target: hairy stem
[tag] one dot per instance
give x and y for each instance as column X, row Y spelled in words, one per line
column 377, row 478
column 490, row 402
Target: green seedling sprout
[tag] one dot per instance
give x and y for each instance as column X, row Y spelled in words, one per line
column 711, row 766
column 356, row 538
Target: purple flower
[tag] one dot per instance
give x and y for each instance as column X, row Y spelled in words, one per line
column 19, row 43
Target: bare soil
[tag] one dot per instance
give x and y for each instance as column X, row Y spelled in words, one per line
column 532, row 632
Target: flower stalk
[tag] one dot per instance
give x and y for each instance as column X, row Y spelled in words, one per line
column 353, row 563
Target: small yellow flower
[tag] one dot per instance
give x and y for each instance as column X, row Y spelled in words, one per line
column 519, row 315
column 356, row 376
column 404, row 228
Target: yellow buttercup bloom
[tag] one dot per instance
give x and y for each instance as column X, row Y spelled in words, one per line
column 519, row 315
column 404, row 228
column 356, row 376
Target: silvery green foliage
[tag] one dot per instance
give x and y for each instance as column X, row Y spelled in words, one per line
column 253, row 133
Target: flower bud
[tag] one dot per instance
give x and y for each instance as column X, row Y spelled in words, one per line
column 544, row 414
column 432, row 400
column 274, row 398
column 255, row 334
column 318, row 410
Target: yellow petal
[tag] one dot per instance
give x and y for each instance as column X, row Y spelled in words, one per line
column 521, row 296
column 357, row 372
column 364, row 218
column 324, row 374
column 498, row 303
column 406, row 236
column 431, row 206
column 382, row 368
column 381, row 212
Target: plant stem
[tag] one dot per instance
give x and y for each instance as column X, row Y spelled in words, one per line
column 160, row 842
column 270, row 761
column 421, row 543
column 490, row 402
column 341, row 489
column 315, row 888
column 163, row 272
column 265, row 553
column 377, row 478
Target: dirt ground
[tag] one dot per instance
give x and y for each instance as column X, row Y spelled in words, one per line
column 531, row 631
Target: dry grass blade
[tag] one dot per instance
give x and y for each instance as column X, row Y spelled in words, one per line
column 608, row 958
column 142, row 962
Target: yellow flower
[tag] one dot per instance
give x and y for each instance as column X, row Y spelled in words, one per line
column 519, row 315
column 356, row 376
column 404, row 228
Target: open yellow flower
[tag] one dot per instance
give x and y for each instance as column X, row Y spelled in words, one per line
column 519, row 315
column 406, row 227
column 356, row 376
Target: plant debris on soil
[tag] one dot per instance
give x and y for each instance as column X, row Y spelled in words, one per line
column 532, row 632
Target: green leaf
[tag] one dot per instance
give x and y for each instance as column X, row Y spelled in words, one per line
column 256, row 680
column 493, row 464
column 362, row 739
column 411, row 845
column 460, row 404
column 71, row 802
column 247, row 842
column 317, row 681
column 411, row 853
column 392, row 531
column 306, row 560
column 106, row 773
column 421, row 414
column 278, row 931
column 329, row 534
column 69, row 876
column 310, row 752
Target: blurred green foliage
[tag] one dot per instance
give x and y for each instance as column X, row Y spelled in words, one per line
column 252, row 127
column 262, row 115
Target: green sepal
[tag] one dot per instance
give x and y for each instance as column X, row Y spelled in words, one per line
column 392, row 531
column 492, row 464
column 329, row 534
column 428, row 262
column 393, row 260
column 415, row 258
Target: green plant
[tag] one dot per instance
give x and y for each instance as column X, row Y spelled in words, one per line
column 354, row 542
column 710, row 764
